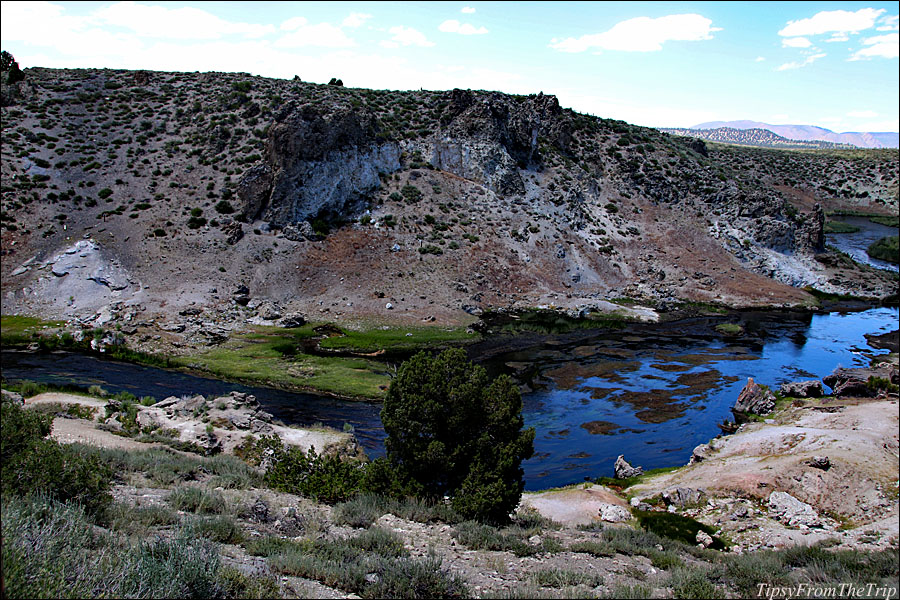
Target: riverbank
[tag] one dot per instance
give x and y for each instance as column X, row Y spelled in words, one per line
column 354, row 360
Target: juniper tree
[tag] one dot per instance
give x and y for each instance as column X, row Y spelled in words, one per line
column 452, row 431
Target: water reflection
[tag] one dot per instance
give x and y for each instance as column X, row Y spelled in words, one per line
column 652, row 395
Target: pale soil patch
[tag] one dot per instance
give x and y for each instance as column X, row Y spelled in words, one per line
column 63, row 398
column 68, row 431
column 859, row 491
column 572, row 506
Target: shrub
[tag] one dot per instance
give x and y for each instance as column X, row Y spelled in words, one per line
column 197, row 500
column 51, row 550
column 221, row 529
column 224, row 207
column 321, row 477
column 558, row 578
column 32, row 464
column 104, row 193
column 411, row 194
column 410, row 578
column 451, row 430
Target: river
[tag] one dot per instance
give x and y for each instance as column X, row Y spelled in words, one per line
column 855, row 244
column 650, row 392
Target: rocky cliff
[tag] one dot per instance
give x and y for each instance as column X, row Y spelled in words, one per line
column 339, row 200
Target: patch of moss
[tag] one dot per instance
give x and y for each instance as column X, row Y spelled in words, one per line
column 729, row 329
column 676, row 527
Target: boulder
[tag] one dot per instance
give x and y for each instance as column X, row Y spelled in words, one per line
column 802, row 389
column 624, row 470
column 700, row 453
column 298, row 232
column 793, row 512
column 292, row 320
column 753, row 399
column 12, row 397
column 234, row 232
column 612, row 513
column 269, row 312
column 682, row 496
column 704, row 540
column 855, row 382
column 819, row 462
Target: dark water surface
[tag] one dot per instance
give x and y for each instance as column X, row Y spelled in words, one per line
column 856, row 244
column 290, row 407
column 652, row 393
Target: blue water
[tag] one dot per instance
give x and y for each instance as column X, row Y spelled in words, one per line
column 855, row 244
column 772, row 351
column 646, row 362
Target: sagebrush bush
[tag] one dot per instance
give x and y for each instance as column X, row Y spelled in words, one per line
column 408, row 578
column 197, row 500
column 29, row 463
column 52, row 550
column 322, row 477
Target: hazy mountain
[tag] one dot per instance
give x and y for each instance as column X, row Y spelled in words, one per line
column 760, row 138
column 886, row 139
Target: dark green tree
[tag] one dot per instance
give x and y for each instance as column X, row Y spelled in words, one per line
column 9, row 66
column 452, row 431
column 6, row 60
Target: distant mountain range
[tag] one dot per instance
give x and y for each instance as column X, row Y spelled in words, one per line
column 762, row 138
column 887, row 139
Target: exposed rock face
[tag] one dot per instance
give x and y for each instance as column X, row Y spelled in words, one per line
column 855, row 382
column 793, row 512
column 253, row 190
column 488, row 138
column 753, row 399
column 82, row 274
column 802, row 389
column 811, row 232
column 624, row 470
column 322, row 161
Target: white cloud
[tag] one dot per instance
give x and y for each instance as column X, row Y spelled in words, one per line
column 185, row 23
column 884, row 46
column 799, row 65
column 642, row 34
column 890, row 23
column 467, row 10
column 406, row 36
column 323, row 35
column 356, row 20
column 293, row 23
column 760, row 58
column 796, row 42
column 838, row 37
column 862, row 114
column 454, row 26
column 832, row 20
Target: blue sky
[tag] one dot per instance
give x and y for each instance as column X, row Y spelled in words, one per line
column 832, row 64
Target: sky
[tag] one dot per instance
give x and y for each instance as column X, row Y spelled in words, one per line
column 657, row 64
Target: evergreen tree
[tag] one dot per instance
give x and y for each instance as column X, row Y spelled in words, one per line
column 451, row 431
column 9, row 66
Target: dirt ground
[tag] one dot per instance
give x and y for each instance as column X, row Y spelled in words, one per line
column 858, row 492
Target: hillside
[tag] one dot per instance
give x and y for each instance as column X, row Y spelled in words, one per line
column 762, row 138
column 865, row 139
column 224, row 196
